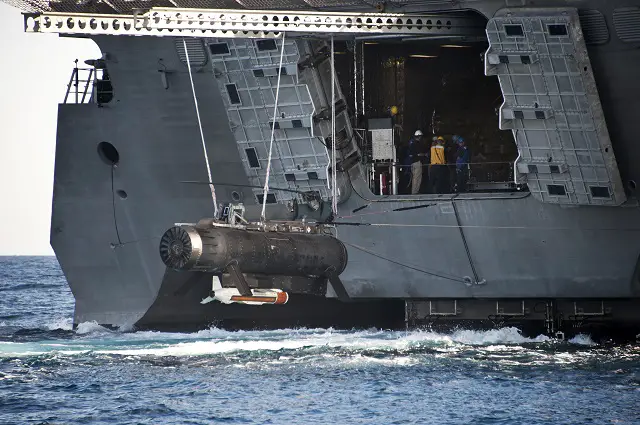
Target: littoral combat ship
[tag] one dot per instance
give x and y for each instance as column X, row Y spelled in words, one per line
column 235, row 163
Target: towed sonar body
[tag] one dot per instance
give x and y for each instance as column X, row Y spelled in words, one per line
column 217, row 247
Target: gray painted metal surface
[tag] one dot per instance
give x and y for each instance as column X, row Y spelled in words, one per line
column 156, row 133
column 107, row 245
column 246, row 73
column 551, row 105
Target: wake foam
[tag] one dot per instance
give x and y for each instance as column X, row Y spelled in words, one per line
column 582, row 339
column 495, row 336
column 65, row 324
column 211, row 342
column 91, row 327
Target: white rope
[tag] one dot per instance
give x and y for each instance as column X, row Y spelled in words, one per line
column 334, row 173
column 273, row 130
column 204, row 146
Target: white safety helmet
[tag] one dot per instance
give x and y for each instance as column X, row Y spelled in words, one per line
column 418, row 133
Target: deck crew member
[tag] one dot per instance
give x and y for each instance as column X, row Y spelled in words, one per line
column 417, row 154
column 438, row 168
column 462, row 165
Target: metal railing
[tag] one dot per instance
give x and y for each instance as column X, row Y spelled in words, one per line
column 80, row 86
column 84, row 86
column 489, row 176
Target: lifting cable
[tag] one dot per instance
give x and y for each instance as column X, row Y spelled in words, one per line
column 204, row 146
column 273, row 131
column 278, row 189
column 334, row 172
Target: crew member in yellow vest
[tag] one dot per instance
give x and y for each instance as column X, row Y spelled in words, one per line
column 438, row 168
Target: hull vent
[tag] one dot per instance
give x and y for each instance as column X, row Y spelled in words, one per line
column 594, row 27
column 195, row 47
column 627, row 23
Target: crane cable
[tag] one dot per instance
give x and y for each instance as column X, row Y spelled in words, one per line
column 273, row 130
column 334, row 152
column 204, row 146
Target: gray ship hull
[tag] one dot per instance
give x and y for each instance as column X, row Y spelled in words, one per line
column 493, row 258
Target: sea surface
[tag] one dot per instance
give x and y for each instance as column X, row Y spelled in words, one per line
column 51, row 374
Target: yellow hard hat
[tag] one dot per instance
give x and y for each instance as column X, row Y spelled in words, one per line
column 441, row 138
column 394, row 110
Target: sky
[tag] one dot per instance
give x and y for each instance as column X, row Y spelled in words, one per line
column 34, row 72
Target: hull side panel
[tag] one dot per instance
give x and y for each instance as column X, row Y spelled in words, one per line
column 522, row 248
column 118, row 278
column 156, row 134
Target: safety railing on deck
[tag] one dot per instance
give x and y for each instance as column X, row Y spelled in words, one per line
column 473, row 177
column 80, row 86
column 88, row 85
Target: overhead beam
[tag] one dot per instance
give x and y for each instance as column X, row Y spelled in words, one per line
column 98, row 24
column 307, row 22
column 252, row 23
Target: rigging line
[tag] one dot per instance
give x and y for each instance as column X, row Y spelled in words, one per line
column 113, row 206
column 281, row 189
column 431, row 273
column 453, row 226
column 355, row 83
column 364, row 214
column 464, row 241
column 334, row 151
column 135, row 241
column 273, row 132
column 387, row 211
column 204, row 146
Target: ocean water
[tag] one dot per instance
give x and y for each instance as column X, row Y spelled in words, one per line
column 51, row 374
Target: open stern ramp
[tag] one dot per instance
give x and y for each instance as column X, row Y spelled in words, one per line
column 246, row 71
column 551, row 105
